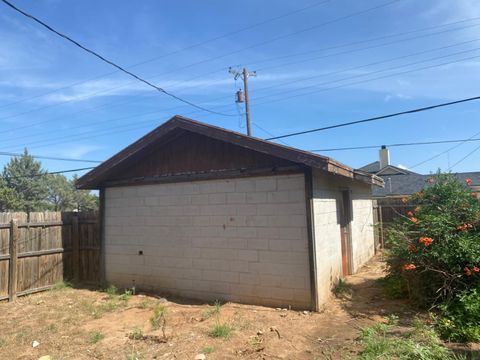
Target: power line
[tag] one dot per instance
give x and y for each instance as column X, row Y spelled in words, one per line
column 362, row 81
column 3, row 153
column 444, row 152
column 51, row 172
column 376, row 118
column 288, row 83
column 334, row 81
column 102, row 58
column 464, row 158
column 372, row 72
column 323, row 49
column 331, row 88
column 396, row 145
column 338, row 19
column 219, row 37
column 372, row 40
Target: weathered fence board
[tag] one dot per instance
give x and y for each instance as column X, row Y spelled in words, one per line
column 38, row 250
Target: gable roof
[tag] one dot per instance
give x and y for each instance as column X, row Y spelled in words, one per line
column 404, row 185
column 374, row 168
column 95, row 177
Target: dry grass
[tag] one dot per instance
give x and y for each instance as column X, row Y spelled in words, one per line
column 82, row 324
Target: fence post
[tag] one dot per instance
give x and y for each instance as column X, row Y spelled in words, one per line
column 76, row 248
column 382, row 235
column 12, row 266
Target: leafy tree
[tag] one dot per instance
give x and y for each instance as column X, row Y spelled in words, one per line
column 9, row 199
column 84, row 200
column 26, row 178
column 61, row 193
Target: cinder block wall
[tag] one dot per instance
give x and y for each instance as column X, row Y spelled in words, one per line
column 327, row 199
column 363, row 238
column 242, row 240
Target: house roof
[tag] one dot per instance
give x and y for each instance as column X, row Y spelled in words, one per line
column 97, row 176
column 404, row 185
column 374, row 168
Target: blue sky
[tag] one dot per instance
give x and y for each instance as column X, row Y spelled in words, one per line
column 335, row 61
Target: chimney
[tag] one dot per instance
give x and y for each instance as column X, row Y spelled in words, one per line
column 384, row 157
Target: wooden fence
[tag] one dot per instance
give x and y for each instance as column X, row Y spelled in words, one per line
column 38, row 250
column 385, row 212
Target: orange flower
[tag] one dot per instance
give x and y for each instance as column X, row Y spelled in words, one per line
column 468, row 181
column 467, row 271
column 464, row 227
column 474, row 194
column 413, row 220
column 404, row 200
column 476, row 269
column 408, row 267
column 427, row 241
column 412, row 248
column 417, row 209
column 409, row 214
column 430, row 180
column 420, row 194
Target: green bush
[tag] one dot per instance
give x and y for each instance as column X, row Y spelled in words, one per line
column 460, row 319
column 433, row 255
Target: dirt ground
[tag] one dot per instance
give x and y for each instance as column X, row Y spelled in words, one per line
column 85, row 324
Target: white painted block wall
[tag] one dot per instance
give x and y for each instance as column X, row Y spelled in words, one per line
column 241, row 240
column 327, row 197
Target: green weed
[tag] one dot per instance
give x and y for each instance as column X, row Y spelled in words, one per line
column 136, row 334
column 96, row 337
column 221, row 331
column 382, row 342
column 208, row 349
column 341, row 289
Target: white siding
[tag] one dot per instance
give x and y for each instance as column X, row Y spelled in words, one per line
column 242, row 239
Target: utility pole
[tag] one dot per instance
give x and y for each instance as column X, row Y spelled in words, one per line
column 243, row 96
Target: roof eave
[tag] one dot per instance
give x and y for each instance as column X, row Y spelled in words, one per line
column 93, row 179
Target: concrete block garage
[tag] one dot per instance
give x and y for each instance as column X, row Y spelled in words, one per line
column 201, row 212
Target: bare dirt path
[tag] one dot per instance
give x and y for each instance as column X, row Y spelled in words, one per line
column 83, row 324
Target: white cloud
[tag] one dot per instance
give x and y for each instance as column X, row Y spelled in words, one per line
column 77, row 151
column 399, row 96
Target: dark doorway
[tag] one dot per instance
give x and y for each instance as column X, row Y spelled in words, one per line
column 345, row 219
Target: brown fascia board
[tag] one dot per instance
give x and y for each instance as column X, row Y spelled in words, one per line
column 369, row 178
column 95, row 177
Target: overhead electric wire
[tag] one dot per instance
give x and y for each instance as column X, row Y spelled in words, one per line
column 271, row 59
column 219, row 37
column 341, row 18
column 51, row 173
column 368, row 73
column 444, row 152
column 102, row 58
column 3, row 153
column 336, row 87
column 303, row 79
column 365, row 147
column 290, row 82
column 333, row 47
column 97, row 133
column 464, row 158
column 358, row 82
column 361, row 81
column 376, row 118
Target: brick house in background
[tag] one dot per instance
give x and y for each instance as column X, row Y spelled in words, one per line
column 202, row 212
